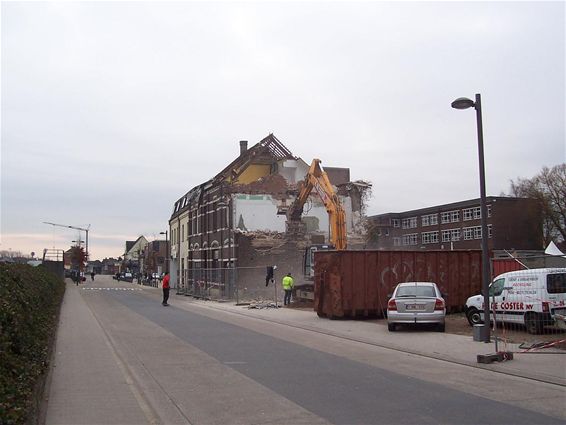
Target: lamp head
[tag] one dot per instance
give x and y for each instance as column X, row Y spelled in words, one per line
column 463, row 103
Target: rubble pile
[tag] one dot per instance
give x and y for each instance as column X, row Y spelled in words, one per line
column 261, row 303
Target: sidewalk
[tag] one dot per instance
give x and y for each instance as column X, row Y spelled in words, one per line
column 546, row 366
column 109, row 367
column 85, row 367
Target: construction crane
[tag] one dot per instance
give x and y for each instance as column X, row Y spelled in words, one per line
column 73, row 227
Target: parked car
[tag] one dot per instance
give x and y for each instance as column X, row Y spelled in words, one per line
column 533, row 298
column 416, row 302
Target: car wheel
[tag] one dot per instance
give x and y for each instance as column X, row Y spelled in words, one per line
column 474, row 317
column 391, row 327
column 441, row 327
column 533, row 324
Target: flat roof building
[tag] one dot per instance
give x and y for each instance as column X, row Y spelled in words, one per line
column 513, row 223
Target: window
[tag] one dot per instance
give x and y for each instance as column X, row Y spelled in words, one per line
column 430, row 237
column 396, row 241
column 496, row 288
column 450, row 216
column 194, row 223
column 556, row 283
column 455, row 234
column 471, row 213
column 411, row 239
column 429, row 220
column 477, row 213
column 468, row 233
column 475, row 232
column 489, row 210
column 416, row 291
column 450, row 235
column 182, row 233
column 409, row 223
column 395, row 222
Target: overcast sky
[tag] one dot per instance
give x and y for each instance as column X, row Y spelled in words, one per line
column 112, row 111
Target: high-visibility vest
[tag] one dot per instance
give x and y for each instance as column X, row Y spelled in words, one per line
column 287, row 282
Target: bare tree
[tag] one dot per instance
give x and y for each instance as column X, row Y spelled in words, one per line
column 549, row 188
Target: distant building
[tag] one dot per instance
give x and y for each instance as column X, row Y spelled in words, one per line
column 513, row 224
column 110, row 266
column 133, row 255
column 154, row 257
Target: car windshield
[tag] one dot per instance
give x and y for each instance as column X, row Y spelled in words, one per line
column 416, row 291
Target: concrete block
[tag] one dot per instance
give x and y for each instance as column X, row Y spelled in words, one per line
column 495, row 357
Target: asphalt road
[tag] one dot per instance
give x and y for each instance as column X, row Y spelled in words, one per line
column 191, row 366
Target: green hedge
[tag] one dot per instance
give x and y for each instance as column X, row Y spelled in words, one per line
column 30, row 298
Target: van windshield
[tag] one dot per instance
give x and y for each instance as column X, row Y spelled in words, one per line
column 556, row 283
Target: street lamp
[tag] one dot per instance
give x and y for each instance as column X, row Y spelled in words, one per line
column 464, row 103
column 167, row 249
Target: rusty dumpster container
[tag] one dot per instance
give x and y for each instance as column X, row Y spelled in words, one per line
column 356, row 284
column 504, row 265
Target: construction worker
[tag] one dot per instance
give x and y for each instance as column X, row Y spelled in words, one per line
column 288, row 288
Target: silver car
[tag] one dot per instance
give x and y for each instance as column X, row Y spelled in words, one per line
column 416, row 302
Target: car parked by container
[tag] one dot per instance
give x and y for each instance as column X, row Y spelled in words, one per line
column 414, row 303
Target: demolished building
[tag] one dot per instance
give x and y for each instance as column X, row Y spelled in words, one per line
column 227, row 230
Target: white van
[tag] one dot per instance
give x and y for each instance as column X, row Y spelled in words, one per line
column 528, row 297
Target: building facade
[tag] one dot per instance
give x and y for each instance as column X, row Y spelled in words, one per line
column 249, row 196
column 513, row 224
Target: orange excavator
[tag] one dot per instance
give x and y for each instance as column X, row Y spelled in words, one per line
column 317, row 179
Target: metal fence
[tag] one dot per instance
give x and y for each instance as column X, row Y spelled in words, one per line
column 529, row 301
column 212, row 283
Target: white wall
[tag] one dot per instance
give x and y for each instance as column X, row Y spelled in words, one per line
column 293, row 170
column 259, row 213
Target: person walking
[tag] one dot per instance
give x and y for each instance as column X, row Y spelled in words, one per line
column 288, row 284
column 76, row 277
column 92, row 275
column 165, row 288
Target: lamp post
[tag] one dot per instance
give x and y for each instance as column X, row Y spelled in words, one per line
column 167, row 250
column 464, row 103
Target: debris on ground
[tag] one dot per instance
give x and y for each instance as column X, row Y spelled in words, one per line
column 263, row 304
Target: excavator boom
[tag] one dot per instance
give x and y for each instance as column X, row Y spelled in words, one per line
column 317, row 179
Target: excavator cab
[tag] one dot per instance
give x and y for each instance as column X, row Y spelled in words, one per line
column 308, row 261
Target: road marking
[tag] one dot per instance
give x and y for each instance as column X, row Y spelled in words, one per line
column 113, row 289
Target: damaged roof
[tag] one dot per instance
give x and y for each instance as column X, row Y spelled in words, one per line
column 268, row 150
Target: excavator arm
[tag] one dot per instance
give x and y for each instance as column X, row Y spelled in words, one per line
column 317, row 179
